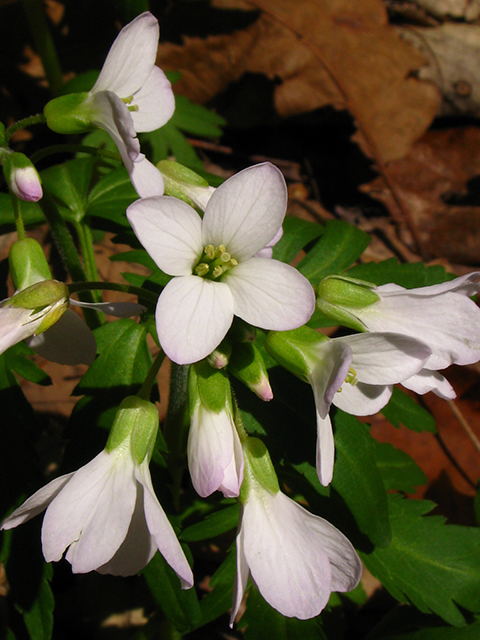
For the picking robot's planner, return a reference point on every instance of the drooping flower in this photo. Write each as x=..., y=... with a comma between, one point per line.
x=106, y=514
x=22, y=177
x=216, y=273
x=215, y=458
x=131, y=95
x=296, y=559
x=355, y=373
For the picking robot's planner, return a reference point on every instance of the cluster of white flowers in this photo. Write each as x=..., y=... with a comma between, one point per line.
x=221, y=264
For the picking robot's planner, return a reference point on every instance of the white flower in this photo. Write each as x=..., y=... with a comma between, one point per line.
x=108, y=517
x=215, y=458
x=25, y=184
x=296, y=559
x=216, y=273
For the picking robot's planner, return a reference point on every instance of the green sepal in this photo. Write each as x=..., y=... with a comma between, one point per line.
x=65, y=114
x=180, y=181
x=338, y=295
x=40, y=295
x=28, y=264
x=248, y=366
x=295, y=349
x=136, y=422
x=210, y=387
x=258, y=469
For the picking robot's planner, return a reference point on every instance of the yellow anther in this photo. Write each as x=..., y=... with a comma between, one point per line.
x=202, y=269
x=217, y=271
x=134, y=107
x=232, y=263
x=127, y=100
x=352, y=377
x=210, y=251
x=220, y=249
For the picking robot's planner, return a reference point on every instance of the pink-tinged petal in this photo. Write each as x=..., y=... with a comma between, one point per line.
x=131, y=57
x=267, y=251
x=145, y=177
x=325, y=457
x=467, y=285
x=246, y=211
x=362, y=399
x=110, y=113
x=332, y=364
x=25, y=184
x=241, y=576
x=68, y=341
x=193, y=315
x=386, y=358
x=171, y=232
x=14, y=326
x=286, y=559
x=155, y=102
x=36, y=503
x=161, y=529
x=425, y=381
x=92, y=513
x=344, y=561
x=270, y=294
x=117, y=309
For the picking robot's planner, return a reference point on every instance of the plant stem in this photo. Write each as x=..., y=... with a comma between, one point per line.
x=86, y=244
x=73, y=148
x=23, y=124
x=148, y=296
x=146, y=389
x=44, y=45
x=18, y=215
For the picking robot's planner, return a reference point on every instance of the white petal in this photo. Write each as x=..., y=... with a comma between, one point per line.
x=344, y=561
x=145, y=177
x=468, y=285
x=332, y=363
x=155, y=102
x=171, y=232
x=362, y=399
x=68, y=341
x=270, y=294
x=287, y=560
x=36, y=503
x=117, y=309
x=325, y=457
x=267, y=251
x=246, y=211
x=131, y=57
x=14, y=326
x=193, y=315
x=242, y=573
x=215, y=457
x=110, y=113
x=385, y=358
x=92, y=513
x=161, y=529
x=425, y=381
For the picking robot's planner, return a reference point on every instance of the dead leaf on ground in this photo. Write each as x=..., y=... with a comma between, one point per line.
x=328, y=52
x=437, y=168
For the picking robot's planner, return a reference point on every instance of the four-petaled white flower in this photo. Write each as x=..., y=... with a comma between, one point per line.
x=216, y=272
x=108, y=516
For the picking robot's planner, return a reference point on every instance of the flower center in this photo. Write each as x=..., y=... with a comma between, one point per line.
x=214, y=262
x=350, y=379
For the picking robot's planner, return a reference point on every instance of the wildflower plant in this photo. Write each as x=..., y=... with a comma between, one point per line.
x=263, y=497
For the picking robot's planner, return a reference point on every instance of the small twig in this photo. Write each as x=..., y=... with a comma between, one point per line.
x=466, y=427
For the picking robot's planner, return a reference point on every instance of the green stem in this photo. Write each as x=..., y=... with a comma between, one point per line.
x=148, y=296
x=68, y=251
x=86, y=245
x=23, y=124
x=176, y=426
x=146, y=389
x=18, y=216
x=73, y=148
x=44, y=45
x=242, y=433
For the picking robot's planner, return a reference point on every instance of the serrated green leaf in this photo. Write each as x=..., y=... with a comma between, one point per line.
x=434, y=566
x=357, y=479
x=219, y=600
x=297, y=233
x=406, y=623
x=68, y=183
x=213, y=525
x=179, y=605
x=397, y=469
x=111, y=196
x=402, y=409
x=339, y=246
x=410, y=276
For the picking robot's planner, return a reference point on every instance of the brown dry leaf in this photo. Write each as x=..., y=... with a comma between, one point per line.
x=325, y=52
x=438, y=167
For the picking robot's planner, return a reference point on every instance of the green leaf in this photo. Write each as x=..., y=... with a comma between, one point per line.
x=406, y=623
x=68, y=183
x=402, y=409
x=411, y=275
x=297, y=233
x=213, y=525
x=28, y=369
x=434, y=566
x=31, y=213
x=170, y=140
x=178, y=605
x=111, y=196
x=357, y=479
x=262, y=621
x=197, y=119
x=219, y=600
x=397, y=469
x=340, y=245
x=39, y=618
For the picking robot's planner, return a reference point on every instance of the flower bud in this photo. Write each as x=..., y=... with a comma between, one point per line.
x=258, y=468
x=28, y=264
x=248, y=366
x=22, y=177
x=220, y=357
x=337, y=294
x=69, y=114
x=185, y=184
x=295, y=350
x=241, y=331
x=136, y=426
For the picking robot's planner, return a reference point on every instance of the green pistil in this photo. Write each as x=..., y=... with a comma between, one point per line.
x=214, y=262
